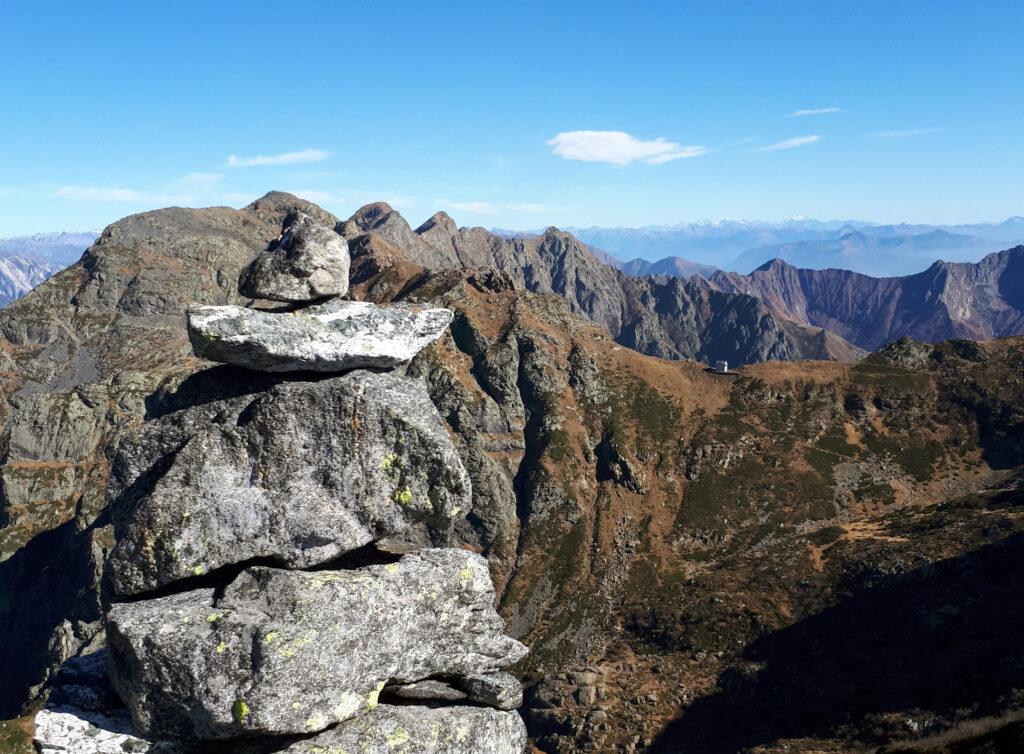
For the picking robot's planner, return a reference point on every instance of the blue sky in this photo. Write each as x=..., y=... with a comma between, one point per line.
x=515, y=115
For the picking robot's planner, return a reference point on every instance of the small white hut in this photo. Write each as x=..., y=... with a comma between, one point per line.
x=722, y=367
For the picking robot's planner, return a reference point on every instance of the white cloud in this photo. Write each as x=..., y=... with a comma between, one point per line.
x=799, y=141
x=816, y=111
x=201, y=179
x=312, y=195
x=619, y=148
x=287, y=158
x=905, y=133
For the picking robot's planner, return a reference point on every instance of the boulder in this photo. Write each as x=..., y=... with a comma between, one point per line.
x=422, y=730
x=501, y=690
x=71, y=730
x=309, y=261
x=291, y=652
x=384, y=730
x=331, y=337
x=296, y=471
x=430, y=690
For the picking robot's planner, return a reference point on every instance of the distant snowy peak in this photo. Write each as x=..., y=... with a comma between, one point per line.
x=61, y=248
x=19, y=275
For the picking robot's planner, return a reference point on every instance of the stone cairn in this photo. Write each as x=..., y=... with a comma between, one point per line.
x=276, y=583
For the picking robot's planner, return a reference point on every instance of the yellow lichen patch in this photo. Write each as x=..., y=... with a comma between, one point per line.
x=466, y=574
x=371, y=701
x=402, y=496
x=289, y=648
x=315, y=722
x=213, y=617
x=271, y=637
x=221, y=648
x=197, y=570
x=398, y=737
x=239, y=711
x=391, y=567
x=348, y=705
x=390, y=461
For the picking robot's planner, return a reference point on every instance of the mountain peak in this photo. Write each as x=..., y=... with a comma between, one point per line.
x=439, y=220
x=774, y=264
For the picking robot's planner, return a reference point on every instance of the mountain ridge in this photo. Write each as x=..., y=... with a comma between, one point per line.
x=948, y=300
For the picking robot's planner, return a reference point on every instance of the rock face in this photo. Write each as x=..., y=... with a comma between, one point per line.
x=331, y=337
x=293, y=652
x=948, y=300
x=309, y=261
x=299, y=472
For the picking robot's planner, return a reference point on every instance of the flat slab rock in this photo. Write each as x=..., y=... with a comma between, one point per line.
x=309, y=261
x=384, y=730
x=300, y=472
x=331, y=337
x=293, y=652
x=422, y=730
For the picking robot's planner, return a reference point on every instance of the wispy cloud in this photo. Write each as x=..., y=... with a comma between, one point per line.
x=313, y=195
x=117, y=195
x=619, y=148
x=492, y=208
x=816, y=111
x=799, y=141
x=904, y=133
x=286, y=158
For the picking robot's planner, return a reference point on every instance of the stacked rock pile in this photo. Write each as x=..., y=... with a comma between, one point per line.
x=279, y=578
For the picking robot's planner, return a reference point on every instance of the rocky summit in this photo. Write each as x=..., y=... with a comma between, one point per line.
x=251, y=592
x=331, y=337
x=308, y=261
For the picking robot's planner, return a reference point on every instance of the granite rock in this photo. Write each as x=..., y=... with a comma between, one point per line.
x=331, y=337
x=309, y=261
x=296, y=471
x=291, y=652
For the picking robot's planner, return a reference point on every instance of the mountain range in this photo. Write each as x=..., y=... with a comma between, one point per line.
x=799, y=557
x=741, y=246
x=26, y=261
x=948, y=300
x=667, y=317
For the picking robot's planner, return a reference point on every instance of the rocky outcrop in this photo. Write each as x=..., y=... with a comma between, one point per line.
x=284, y=652
x=295, y=472
x=308, y=261
x=331, y=337
x=207, y=642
